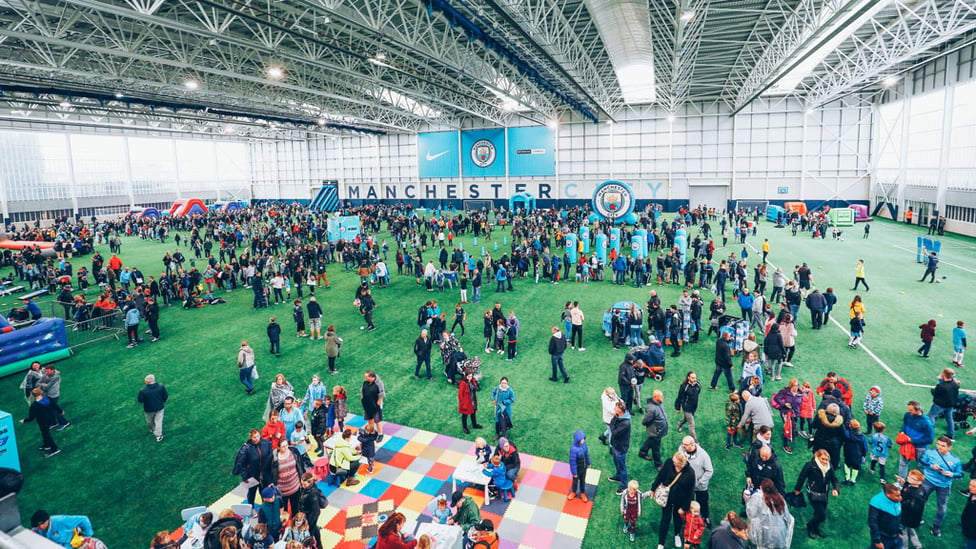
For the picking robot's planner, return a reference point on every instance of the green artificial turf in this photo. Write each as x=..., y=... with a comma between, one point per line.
x=112, y=470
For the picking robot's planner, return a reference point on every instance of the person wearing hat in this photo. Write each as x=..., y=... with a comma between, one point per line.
x=153, y=398
x=467, y=513
x=60, y=528
x=32, y=308
x=484, y=534
x=270, y=511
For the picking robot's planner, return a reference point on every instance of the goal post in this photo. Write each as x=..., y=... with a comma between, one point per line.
x=751, y=205
x=474, y=205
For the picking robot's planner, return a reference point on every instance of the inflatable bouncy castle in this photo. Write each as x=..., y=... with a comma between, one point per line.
x=44, y=341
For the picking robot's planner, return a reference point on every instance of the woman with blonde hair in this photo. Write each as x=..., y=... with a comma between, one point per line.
x=817, y=477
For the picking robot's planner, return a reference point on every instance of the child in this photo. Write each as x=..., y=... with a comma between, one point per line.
x=880, y=444
x=630, y=507
x=424, y=542
x=367, y=441
x=489, y=331
x=339, y=403
x=857, y=330
x=482, y=452
x=808, y=407
x=259, y=537
x=694, y=526
x=873, y=405
x=496, y=471
x=459, y=318
x=441, y=511
x=299, y=441
x=855, y=450
x=958, y=343
x=500, y=333
x=755, y=386
x=913, y=500
x=579, y=461
x=298, y=315
x=298, y=530
x=733, y=414
x=512, y=339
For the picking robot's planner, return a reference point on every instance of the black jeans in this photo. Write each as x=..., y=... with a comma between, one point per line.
x=576, y=335
x=728, y=377
x=422, y=360
x=819, y=515
x=668, y=514
x=654, y=445
x=578, y=484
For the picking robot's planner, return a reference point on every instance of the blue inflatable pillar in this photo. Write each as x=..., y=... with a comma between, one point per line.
x=601, y=247
x=638, y=247
x=476, y=241
x=504, y=241
x=642, y=234
x=681, y=241
x=496, y=245
x=615, y=240
x=571, y=248
x=483, y=253
x=584, y=236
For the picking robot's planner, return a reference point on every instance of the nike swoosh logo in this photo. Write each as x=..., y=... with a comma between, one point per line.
x=436, y=156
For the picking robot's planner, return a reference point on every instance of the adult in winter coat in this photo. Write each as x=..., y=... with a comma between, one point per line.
x=775, y=351
x=687, y=403
x=253, y=463
x=732, y=534
x=770, y=522
x=332, y=343
x=919, y=429
x=655, y=422
x=245, y=366
x=557, y=347
x=42, y=411
x=828, y=432
x=928, y=334
x=788, y=401
x=944, y=397
x=681, y=478
x=468, y=401
x=579, y=462
x=723, y=361
x=701, y=463
x=818, y=478
x=817, y=305
x=310, y=503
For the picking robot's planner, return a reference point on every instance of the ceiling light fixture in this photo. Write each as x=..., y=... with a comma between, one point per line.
x=275, y=72
x=64, y=104
x=321, y=121
x=687, y=16
x=889, y=82
x=671, y=118
x=553, y=124
x=119, y=95
x=191, y=84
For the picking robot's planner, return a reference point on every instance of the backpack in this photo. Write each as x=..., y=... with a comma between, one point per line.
x=422, y=315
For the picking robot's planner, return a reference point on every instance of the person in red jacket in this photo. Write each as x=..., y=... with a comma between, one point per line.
x=390, y=536
x=839, y=383
x=468, y=401
x=274, y=430
x=928, y=334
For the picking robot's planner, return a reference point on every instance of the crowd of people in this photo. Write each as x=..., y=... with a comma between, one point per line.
x=279, y=252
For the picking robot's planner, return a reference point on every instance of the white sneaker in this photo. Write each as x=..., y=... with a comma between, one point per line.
x=677, y=541
x=582, y=348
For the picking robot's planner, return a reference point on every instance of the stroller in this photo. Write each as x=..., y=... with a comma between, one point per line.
x=465, y=365
x=964, y=409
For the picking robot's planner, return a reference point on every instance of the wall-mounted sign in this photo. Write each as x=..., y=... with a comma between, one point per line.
x=782, y=190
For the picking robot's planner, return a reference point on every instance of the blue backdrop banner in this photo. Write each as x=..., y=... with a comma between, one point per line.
x=483, y=153
x=531, y=151
x=437, y=154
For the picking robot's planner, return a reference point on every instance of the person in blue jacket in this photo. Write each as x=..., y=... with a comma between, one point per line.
x=920, y=429
x=940, y=468
x=884, y=518
x=60, y=528
x=579, y=462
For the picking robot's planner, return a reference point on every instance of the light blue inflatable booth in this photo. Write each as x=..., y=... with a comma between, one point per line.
x=584, y=236
x=524, y=200
x=601, y=247
x=571, y=248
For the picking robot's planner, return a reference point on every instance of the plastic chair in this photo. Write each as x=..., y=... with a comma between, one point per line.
x=321, y=468
x=242, y=510
x=190, y=512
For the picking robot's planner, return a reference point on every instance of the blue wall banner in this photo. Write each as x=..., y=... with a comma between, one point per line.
x=437, y=154
x=483, y=153
x=531, y=151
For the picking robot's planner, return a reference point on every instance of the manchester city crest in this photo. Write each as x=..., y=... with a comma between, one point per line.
x=613, y=199
x=483, y=153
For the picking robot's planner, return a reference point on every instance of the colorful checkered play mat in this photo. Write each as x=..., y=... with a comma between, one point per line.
x=413, y=466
